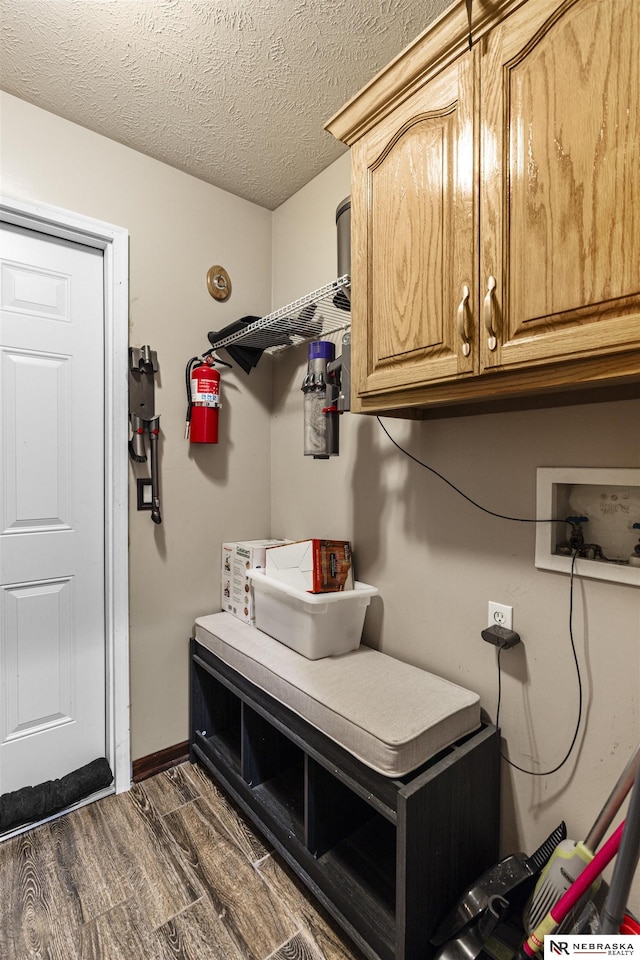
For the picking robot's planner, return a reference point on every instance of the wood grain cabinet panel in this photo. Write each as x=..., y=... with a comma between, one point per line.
x=560, y=214
x=413, y=229
x=508, y=173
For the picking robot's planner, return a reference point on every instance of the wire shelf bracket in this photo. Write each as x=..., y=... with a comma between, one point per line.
x=324, y=311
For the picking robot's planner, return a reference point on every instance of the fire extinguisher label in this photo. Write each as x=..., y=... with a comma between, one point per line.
x=205, y=392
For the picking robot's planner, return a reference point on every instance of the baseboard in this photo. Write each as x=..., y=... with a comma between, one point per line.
x=161, y=760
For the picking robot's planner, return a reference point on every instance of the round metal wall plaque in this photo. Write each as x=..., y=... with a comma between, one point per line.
x=218, y=283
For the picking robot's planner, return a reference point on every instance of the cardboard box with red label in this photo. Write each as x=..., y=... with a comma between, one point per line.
x=317, y=566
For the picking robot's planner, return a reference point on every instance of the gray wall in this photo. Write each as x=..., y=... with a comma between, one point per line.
x=178, y=228
x=437, y=560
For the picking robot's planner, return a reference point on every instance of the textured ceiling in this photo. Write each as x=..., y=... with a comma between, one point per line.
x=235, y=92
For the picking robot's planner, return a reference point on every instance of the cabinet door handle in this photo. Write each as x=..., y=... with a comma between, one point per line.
x=463, y=315
x=490, y=310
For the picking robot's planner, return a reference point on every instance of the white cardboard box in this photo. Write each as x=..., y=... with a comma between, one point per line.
x=316, y=625
x=319, y=566
x=239, y=556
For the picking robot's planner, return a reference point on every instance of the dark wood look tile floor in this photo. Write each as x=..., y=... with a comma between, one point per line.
x=169, y=871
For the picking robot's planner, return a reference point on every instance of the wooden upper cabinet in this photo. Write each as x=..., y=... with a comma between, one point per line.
x=413, y=238
x=560, y=181
x=511, y=171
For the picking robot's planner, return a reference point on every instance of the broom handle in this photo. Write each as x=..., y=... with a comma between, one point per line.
x=569, y=899
x=625, y=868
x=613, y=804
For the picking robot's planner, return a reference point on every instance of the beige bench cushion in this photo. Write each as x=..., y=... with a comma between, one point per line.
x=390, y=715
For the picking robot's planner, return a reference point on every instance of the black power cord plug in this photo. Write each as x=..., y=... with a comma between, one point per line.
x=501, y=637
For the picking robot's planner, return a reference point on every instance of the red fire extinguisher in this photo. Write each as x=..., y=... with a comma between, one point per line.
x=203, y=392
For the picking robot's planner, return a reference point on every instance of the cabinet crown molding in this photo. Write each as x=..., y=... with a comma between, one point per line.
x=433, y=50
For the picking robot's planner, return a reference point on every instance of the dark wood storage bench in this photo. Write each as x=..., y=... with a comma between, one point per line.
x=387, y=857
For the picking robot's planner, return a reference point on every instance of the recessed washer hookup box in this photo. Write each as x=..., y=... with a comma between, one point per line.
x=318, y=566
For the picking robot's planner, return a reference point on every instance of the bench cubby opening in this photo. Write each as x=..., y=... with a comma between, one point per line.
x=386, y=857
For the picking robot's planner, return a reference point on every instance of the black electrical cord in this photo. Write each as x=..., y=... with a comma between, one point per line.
x=546, y=773
x=502, y=516
x=492, y=513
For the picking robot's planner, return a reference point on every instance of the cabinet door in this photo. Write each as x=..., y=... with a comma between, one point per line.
x=413, y=239
x=560, y=182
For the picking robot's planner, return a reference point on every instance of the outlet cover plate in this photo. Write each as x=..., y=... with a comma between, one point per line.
x=500, y=615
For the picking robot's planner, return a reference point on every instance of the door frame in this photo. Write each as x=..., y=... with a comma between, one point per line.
x=114, y=243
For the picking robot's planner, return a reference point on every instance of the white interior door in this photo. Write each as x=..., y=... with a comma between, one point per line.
x=52, y=511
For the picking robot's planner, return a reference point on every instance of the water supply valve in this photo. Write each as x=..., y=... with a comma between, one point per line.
x=576, y=534
x=575, y=543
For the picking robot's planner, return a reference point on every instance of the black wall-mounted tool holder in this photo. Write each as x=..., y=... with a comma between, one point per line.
x=143, y=365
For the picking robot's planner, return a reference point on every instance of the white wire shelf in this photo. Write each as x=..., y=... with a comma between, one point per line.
x=325, y=310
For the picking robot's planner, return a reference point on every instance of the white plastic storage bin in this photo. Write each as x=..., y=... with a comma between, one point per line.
x=315, y=624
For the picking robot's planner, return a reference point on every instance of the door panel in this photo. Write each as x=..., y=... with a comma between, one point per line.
x=34, y=292
x=559, y=219
x=40, y=688
x=52, y=648
x=36, y=403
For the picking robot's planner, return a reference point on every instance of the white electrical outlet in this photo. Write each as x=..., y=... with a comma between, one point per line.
x=501, y=615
